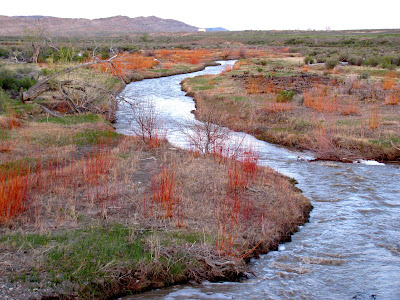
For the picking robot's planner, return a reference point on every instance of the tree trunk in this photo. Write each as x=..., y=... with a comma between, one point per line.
x=38, y=89
x=47, y=84
x=36, y=50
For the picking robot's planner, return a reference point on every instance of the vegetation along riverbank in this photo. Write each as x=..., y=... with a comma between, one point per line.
x=341, y=113
x=88, y=213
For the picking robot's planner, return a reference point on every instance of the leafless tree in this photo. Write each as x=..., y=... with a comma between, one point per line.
x=207, y=135
x=37, y=39
x=82, y=93
x=147, y=122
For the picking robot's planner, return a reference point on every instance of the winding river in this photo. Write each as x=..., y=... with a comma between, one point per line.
x=350, y=249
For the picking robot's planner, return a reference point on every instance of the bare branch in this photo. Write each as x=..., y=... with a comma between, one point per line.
x=146, y=121
x=48, y=83
x=394, y=146
x=50, y=112
x=206, y=136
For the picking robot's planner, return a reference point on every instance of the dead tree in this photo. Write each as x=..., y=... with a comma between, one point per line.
x=36, y=38
x=80, y=96
x=207, y=135
x=147, y=122
x=51, y=82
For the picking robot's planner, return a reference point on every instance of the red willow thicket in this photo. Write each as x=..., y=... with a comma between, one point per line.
x=260, y=85
x=165, y=194
x=234, y=209
x=15, y=183
x=125, y=62
x=184, y=56
x=321, y=99
x=56, y=184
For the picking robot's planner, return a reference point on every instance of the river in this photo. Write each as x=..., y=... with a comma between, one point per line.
x=350, y=249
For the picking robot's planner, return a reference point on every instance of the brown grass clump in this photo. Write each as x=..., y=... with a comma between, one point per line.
x=10, y=122
x=320, y=98
x=374, y=119
x=392, y=98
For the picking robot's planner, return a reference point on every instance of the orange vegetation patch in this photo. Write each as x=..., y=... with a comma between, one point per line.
x=14, y=185
x=392, y=98
x=25, y=187
x=126, y=62
x=11, y=122
x=184, y=56
x=273, y=107
x=320, y=98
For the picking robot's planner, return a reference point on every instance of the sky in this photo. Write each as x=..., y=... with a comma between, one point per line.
x=230, y=14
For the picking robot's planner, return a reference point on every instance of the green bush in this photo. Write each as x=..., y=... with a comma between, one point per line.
x=12, y=81
x=104, y=55
x=321, y=59
x=284, y=96
x=3, y=53
x=371, y=61
x=308, y=60
x=331, y=63
x=355, y=60
x=81, y=56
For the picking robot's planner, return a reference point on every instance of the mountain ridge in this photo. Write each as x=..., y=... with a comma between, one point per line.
x=17, y=25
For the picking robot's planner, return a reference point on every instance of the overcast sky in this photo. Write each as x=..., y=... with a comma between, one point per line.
x=232, y=14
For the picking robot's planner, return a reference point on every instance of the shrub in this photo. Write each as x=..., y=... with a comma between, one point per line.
x=371, y=61
x=321, y=59
x=3, y=53
x=364, y=75
x=343, y=57
x=284, y=96
x=355, y=60
x=331, y=63
x=308, y=60
x=12, y=81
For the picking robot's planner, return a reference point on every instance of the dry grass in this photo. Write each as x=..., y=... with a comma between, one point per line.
x=127, y=181
x=338, y=118
x=228, y=210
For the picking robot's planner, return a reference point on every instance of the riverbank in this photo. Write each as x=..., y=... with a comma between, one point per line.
x=89, y=213
x=336, y=115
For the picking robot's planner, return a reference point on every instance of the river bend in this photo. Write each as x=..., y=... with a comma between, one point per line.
x=350, y=249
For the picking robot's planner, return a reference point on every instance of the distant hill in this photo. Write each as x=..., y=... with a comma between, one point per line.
x=10, y=26
x=216, y=29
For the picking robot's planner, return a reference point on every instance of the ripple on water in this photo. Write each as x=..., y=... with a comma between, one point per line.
x=322, y=261
x=393, y=248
